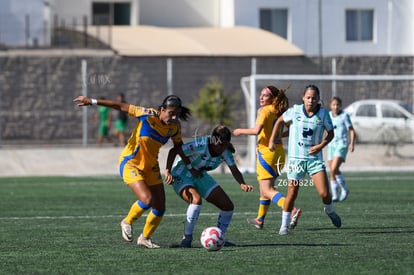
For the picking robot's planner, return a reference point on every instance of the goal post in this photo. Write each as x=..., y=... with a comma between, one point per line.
x=251, y=84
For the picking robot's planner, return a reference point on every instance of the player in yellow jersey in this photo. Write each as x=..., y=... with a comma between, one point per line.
x=138, y=163
x=269, y=164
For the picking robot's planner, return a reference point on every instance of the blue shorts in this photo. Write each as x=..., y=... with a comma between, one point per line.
x=337, y=151
x=203, y=185
x=269, y=164
x=298, y=168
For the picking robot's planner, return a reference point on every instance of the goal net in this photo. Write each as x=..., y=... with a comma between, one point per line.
x=349, y=88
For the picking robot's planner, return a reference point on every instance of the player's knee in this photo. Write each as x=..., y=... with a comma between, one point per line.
x=146, y=200
x=228, y=206
x=196, y=200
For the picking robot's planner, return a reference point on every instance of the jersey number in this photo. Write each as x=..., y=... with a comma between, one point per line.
x=307, y=132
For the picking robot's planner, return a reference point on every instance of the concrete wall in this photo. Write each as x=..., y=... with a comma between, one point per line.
x=36, y=93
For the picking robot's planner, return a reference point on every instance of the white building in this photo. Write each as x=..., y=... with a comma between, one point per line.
x=318, y=27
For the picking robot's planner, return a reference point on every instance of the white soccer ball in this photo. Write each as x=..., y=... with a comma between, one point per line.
x=212, y=238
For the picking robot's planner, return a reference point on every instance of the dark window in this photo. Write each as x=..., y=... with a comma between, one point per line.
x=367, y=110
x=359, y=25
x=120, y=13
x=274, y=20
x=390, y=112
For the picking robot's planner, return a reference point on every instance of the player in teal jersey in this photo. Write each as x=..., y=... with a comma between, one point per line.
x=307, y=125
x=343, y=141
x=204, y=154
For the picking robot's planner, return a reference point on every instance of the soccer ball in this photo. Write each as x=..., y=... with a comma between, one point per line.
x=212, y=238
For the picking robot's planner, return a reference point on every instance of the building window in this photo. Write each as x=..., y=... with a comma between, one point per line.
x=359, y=25
x=275, y=20
x=102, y=12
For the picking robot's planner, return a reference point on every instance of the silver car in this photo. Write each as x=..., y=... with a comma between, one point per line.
x=382, y=121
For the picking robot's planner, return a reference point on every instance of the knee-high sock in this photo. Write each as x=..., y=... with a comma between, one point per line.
x=341, y=181
x=193, y=211
x=224, y=219
x=328, y=208
x=285, y=218
x=264, y=205
x=136, y=210
x=334, y=188
x=153, y=220
x=279, y=199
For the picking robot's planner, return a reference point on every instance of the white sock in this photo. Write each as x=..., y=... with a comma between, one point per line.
x=334, y=188
x=285, y=218
x=341, y=181
x=328, y=208
x=193, y=211
x=224, y=219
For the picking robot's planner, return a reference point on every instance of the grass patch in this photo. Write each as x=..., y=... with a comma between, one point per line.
x=70, y=225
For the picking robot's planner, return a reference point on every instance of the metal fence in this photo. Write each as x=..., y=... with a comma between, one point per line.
x=30, y=32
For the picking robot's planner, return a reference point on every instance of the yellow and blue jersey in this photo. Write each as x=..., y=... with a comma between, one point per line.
x=149, y=134
x=269, y=164
x=266, y=117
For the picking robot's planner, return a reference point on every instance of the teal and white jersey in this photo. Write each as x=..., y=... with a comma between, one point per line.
x=200, y=157
x=306, y=131
x=341, y=123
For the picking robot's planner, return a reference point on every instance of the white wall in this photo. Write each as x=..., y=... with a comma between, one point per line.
x=393, y=20
x=334, y=28
x=13, y=22
x=393, y=28
x=67, y=10
x=402, y=36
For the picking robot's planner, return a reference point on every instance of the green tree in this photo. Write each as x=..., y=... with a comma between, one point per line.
x=213, y=105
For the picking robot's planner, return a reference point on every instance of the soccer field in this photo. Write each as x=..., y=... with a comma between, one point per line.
x=70, y=225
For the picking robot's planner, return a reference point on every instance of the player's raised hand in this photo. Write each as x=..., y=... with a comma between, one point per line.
x=83, y=101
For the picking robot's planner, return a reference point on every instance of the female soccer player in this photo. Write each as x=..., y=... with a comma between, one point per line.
x=343, y=141
x=206, y=154
x=138, y=163
x=308, y=122
x=269, y=164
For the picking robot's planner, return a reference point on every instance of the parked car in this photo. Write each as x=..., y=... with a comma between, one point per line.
x=382, y=121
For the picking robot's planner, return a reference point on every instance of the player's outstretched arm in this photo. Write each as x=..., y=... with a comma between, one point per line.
x=248, y=131
x=86, y=101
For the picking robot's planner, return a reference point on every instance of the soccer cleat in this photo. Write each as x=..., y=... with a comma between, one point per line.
x=334, y=199
x=144, y=242
x=126, y=231
x=336, y=220
x=186, y=241
x=284, y=230
x=294, y=217
x=344, y=195
x=258, y=224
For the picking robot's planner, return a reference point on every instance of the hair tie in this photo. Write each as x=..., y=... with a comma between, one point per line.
x=268, y=91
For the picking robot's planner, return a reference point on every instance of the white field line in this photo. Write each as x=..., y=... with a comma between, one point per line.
x=107, y=216
x=383, y=212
